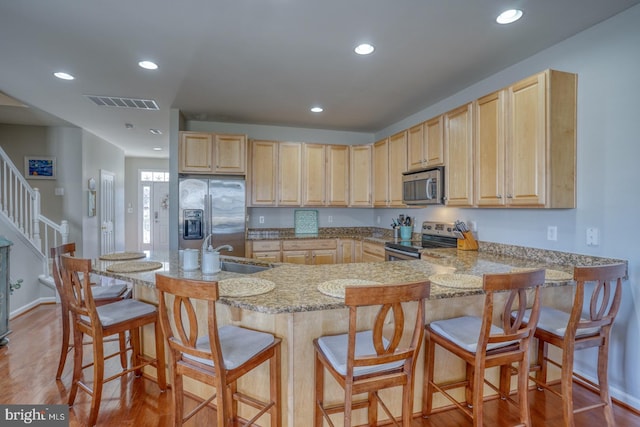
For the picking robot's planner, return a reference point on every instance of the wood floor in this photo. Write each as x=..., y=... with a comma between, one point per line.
x=27, y=376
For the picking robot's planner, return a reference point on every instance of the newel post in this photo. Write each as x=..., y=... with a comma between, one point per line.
x=64, y=231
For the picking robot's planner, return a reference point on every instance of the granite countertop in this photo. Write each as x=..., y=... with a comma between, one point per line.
x=296, y=285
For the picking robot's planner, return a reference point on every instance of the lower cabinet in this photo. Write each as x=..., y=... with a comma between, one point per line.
x=321, y=251
x=372, y=252
x=266, y=250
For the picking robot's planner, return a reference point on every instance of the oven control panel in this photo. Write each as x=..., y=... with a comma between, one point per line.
x=444, y=229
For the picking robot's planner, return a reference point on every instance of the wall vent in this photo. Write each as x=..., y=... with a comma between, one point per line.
x=116, y=101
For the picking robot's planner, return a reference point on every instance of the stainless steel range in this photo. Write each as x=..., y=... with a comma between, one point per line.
x=434, y=235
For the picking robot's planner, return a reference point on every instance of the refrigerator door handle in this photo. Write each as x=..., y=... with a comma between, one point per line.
x=207, y=215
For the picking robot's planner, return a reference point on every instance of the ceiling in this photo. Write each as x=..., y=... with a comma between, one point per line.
x=262, y=61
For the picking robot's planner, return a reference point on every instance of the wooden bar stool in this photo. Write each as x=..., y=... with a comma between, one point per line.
x=101, y=295
x=127, y=315
x=576, y=331
x=364, y=361
x=483, y=345
x=212, y=355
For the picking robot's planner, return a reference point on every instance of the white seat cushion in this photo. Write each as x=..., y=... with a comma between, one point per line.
x=121, y=311
x=107, y=292
x=556, y=321
x=335, y=348
x=237, y=344
x=465, y=331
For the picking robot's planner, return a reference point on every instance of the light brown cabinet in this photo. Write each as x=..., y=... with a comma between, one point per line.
x=346, y=252
x=263, y=172
x=360, y=176
x=372, y=252
x=315, y=252
x=210, y=153
x=525, y=143
x=289, y=174
x=275, y=173
x=266, y=250
x=389, y=161
x=425, y=144
x=326, y=175
x=458, y=143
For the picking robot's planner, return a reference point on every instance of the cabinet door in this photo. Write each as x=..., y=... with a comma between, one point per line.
x=196, y=152
x=264, y=157
x=357, y=251
x=489, y=150
x=345, y=251
x=313, y=168
x=434, y=141
x=230, y=154
x=337, y=175
x=323, y=256
x=360, y=176
x=397, y=165
x=380, y=173
x=295, y=257
x=459, y=149
x=526, y=153
x=416, y=147
x=289, y=176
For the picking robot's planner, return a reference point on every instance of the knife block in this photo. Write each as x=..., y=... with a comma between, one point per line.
x=469, y=243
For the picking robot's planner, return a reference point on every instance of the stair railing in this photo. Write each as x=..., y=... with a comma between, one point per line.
x=20, y=204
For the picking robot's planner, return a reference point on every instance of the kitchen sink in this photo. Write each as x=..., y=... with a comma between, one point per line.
x=236, y=267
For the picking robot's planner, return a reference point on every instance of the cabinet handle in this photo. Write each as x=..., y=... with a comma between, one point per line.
x=509, y=196
x=499, y=196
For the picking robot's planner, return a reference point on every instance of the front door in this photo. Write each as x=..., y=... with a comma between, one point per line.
x=160, y=223
x=107, y=212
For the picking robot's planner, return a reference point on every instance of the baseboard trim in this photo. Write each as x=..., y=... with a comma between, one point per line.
x=33, y=304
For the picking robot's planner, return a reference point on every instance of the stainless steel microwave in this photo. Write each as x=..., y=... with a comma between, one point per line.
x=423, y=187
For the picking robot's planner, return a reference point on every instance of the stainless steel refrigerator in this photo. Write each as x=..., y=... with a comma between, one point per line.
x=212, y=206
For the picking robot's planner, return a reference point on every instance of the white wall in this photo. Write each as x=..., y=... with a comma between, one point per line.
x=606, y=59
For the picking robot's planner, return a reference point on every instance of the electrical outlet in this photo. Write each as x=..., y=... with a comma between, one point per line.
x=552, y=232
x=330, y=219
x=261, y=219
x=593, y=236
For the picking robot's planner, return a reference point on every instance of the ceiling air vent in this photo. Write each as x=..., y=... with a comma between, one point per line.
x=116, y=101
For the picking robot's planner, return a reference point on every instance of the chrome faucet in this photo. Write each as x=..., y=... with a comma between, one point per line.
x=227, y=247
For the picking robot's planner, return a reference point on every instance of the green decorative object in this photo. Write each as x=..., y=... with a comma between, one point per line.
x=306, y=221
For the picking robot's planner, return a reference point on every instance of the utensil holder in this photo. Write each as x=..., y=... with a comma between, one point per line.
x=405, y=232
x=469, y=243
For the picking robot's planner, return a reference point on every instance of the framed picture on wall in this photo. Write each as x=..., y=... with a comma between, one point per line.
x=39, y=167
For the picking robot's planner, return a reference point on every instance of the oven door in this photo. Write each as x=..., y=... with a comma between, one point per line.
x=391, y=254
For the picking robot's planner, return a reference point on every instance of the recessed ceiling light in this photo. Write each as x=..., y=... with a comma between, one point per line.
x=128, y=125
x=317, y=109
x=157, y=149
x=148, y=65
x=509, y=16
x=364, y=49
x=64, y=76
x=155, y=131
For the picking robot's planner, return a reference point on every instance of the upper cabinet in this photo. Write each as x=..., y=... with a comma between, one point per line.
x=425, y=144
x=289, y=174
x=389, y=161
x=210, y=153
x=326, y=175
x=458, y=143
x=360, y=194
x=526, y=143
x=263, y=173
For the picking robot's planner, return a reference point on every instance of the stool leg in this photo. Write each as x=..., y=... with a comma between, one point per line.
x=122, y=340
x=276, y=385
x=98, y=377
x=178, y=398
x=523, y=389
x=478, y=395
x=543, y=349
x=319, y=392
x=566, y=384
x=66, y=332
x=427, y=388
x=603, y=381
x=77, y=365
x=134, y=335
x=161, y=370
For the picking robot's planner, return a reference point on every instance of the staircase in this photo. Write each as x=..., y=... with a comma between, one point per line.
x=20, y=206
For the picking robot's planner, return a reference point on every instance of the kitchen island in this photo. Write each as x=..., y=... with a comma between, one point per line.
x=297, y=312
